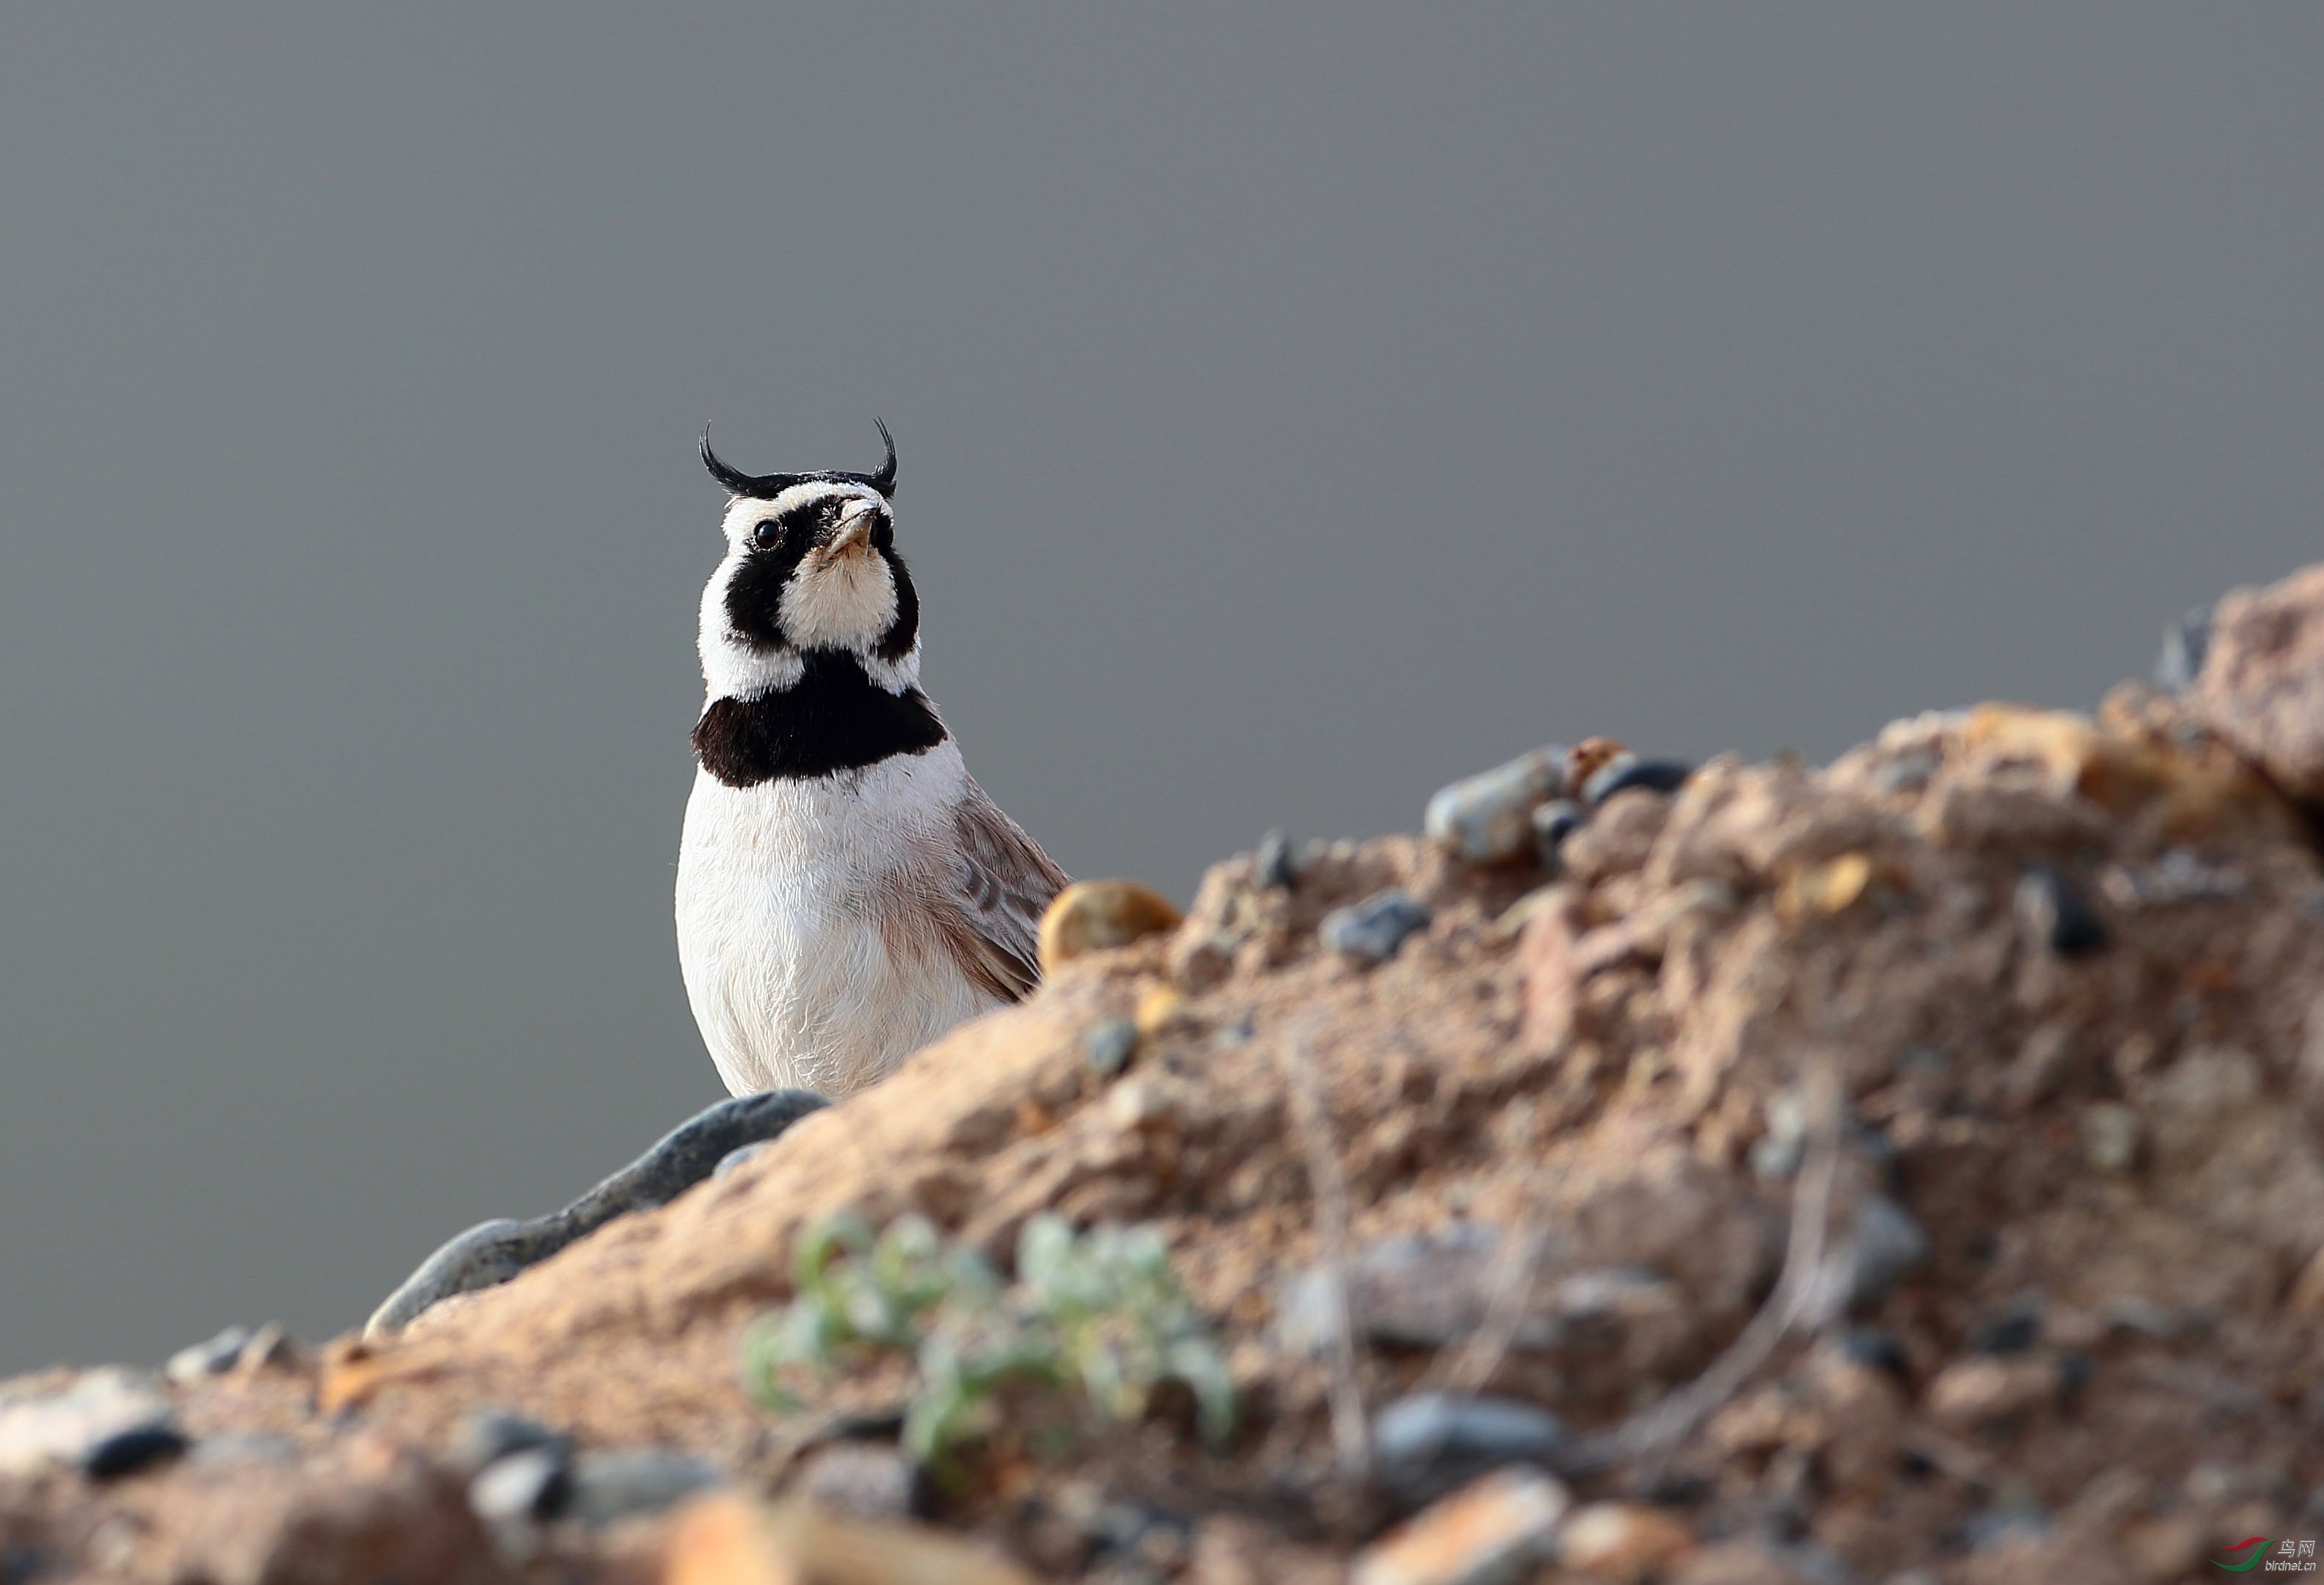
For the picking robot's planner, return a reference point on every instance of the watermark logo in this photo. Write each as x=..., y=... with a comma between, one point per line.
x=2257, y=1551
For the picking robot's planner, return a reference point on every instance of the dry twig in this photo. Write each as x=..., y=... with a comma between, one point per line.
x=1802, y=1291
x=1507, y=1301
x=1350, y=1433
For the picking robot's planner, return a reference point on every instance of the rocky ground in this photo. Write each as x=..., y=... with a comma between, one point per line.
x=1910, y=1170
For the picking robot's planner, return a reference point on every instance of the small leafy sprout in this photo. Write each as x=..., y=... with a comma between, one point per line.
x=1097, y=1315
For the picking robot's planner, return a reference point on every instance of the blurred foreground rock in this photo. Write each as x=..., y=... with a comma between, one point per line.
x=1912, y=1169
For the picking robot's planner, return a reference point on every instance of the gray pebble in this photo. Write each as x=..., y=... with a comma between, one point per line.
x=214, y=1356
x=490, y=1436
x=2135, y=1314
x=1371, y=930
x=2054, y=914
x=492, y=1252
x=1487, y=818
x=1553, y=822
x=2176, y=877
x=1883, y=1248
x=1430, y=1443
x=1276, y=865
x=736, y=1157
x=1625, y=772
x=268, y=1346
x=1868, y=1345
x=1998, y=1526
x=524, y=1486
x=616, y=1482
x=2014, y=1328
x=69, y=1428
x=127, y=1452
x=1907, y=773
x=1110, y=1045
x=1780, y=1150
x=2185, y=642
x=1430, y=1291
x=246, y=1447
x=872, y=1480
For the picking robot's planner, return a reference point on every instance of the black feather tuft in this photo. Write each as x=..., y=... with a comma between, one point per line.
x=766, y=486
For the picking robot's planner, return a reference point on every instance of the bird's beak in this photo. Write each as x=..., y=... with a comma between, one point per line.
x=854, y=528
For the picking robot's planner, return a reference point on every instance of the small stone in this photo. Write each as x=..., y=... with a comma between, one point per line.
x=1371, y=930
x=246, y=1447
x=1430, y=1443
x=524, y=1488
x=1159, y=1007
x=1623, y=1542
x=270, y=1347
x=1133, y=1540
x=492, y=1252
x=1622, y=774
x=128, y=1451
x=214, y=1356
x=1110, y=1045
x=1489, y=1532
x=723, y=1539
x=2110, y=1136
x=1907, y=773
x=1135, y=1106
x=2015, y=1329
x=2177, y=878
x=1877, y=1350
x=1884, y=1248
x=616, y=1482
x=2263, y=679
x=2003, y=1526
x=1777, y=1154
x=2054, y=914
x=490, y=1436
x=868, y=1480
x=1553, y=822
x=1095, y=916
x=69, y=1427
x=1831, y=887
x=738, y=1156
x=1277, y=863
x=1971, y=1393
x=1586, y=758
x=1486, y=819
x=2184, y=643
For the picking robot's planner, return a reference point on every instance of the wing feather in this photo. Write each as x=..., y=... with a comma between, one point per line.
x=1004, y=885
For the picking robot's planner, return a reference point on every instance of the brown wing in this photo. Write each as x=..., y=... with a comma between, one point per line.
x=1004, y=883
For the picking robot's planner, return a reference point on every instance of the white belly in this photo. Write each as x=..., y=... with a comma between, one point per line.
x=791, y=977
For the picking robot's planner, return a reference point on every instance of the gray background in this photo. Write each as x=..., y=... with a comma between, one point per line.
x=1299, y=407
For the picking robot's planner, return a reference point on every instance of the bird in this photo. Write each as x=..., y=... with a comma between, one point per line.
x=846, y=892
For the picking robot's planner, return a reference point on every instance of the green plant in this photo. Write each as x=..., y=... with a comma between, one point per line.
x=1098, y=1316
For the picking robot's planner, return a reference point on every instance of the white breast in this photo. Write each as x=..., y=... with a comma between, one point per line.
x=780, y=893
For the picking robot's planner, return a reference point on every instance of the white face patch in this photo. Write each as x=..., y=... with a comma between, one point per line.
x=839, y=599
x=843, y=599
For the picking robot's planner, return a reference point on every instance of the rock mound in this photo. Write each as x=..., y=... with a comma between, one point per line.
x=1764, y=1173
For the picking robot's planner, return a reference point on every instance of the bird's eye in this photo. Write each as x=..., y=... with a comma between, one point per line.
x=767, y=532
